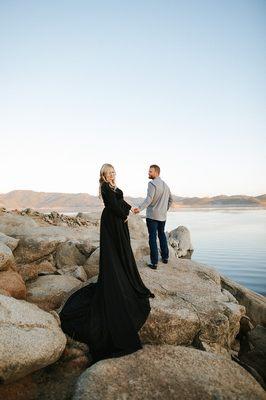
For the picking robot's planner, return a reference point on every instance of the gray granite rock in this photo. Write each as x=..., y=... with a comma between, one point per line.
x=167, y=372
x=30, y=338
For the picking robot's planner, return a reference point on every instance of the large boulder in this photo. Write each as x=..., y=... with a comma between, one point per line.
x=140, y=249
x=14, y=225
x=12, y=282
x=49, y=291
x=167, y=372
x=179, y=239
x=190, y=307
x=30, y=338
x=137, y=228
x=67, y=254
x=32, y=270
x=35, y=247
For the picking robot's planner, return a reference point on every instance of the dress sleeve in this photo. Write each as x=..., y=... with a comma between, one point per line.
x=110, y=202
x=126, y=205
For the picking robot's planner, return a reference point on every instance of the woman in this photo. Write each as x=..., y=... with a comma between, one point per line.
x=108, y=314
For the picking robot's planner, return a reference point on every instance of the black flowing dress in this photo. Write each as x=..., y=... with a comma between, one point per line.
x=108, y=314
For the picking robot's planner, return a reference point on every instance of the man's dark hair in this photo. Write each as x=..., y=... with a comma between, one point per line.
x=156, y=167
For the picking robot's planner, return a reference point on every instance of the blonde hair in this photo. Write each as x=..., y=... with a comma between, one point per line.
x=103, y=172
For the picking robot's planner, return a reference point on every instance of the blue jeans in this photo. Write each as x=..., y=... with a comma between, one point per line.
x=155, y=226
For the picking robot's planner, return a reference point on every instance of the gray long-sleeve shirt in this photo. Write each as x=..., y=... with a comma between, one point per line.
x=158, y=200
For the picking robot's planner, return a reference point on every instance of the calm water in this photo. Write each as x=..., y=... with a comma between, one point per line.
x=231, y=240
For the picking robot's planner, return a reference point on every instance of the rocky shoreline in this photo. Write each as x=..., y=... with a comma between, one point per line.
x=204, y=338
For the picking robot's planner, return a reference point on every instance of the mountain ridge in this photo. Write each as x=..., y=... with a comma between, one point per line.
x=71, y=202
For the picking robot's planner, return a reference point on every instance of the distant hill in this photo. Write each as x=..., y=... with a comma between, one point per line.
x=221, y=201
x=76, y=202
x=43, y=201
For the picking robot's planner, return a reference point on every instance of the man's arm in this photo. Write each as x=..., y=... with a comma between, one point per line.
x=149, y=198
x=170, y=201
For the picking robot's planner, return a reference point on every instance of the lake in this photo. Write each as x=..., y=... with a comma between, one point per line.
x=231, y=240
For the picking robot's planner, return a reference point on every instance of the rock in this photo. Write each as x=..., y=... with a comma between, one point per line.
x=14, y=225
x=56, y=381
x=23, y=389
x=93, y=217
x=245, y=325
x=39, y=238
x=77, y=271
x=189, y=307
x=91, y=266
x=140, y=249
x=32, y=248
x=257, y=337
x=137, y=228
x=167, y=372
x=67, y=254
x=87, y=247
x=12, y=282
x=30, y=338
x=33, y=270
x=254, y=302
x=255, y=354
x=4, y=292
x=9, y=241
x=179, y=239
x=7, y=260
x=54, y=218
x=48, y=291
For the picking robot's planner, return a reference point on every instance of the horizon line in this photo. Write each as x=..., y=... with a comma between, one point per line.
x=95, y=195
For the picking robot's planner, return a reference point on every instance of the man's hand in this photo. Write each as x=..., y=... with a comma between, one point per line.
x=136, y=210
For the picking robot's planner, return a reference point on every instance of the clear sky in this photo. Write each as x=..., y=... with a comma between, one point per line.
x=177, y=83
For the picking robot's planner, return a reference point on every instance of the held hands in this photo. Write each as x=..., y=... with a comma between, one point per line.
x=135, y=210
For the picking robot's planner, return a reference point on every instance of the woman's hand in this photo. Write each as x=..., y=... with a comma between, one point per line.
x=135, y=210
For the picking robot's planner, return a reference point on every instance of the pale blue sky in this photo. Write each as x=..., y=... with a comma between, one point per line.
x=177, y=83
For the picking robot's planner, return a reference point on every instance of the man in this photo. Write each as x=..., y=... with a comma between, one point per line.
x=157, y=203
